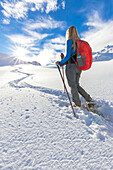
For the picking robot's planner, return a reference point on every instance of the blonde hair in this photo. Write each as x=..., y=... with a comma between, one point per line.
x=72, y=34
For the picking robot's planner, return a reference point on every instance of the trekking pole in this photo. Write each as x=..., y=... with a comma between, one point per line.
x=63, y=76
x=62, y=56
x=66, y=91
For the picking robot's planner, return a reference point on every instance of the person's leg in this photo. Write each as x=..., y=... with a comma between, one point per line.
x=71, y=78
x=80, y=89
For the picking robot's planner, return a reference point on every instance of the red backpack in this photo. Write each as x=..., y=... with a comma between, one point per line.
x=84, y=56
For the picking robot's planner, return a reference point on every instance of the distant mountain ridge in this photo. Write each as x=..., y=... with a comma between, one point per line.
x=6, y=60
x=105, y=54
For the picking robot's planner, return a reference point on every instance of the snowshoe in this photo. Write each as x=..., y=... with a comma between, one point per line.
x=95, y=108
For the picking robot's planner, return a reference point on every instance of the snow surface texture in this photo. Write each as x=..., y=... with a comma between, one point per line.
x=38, y=131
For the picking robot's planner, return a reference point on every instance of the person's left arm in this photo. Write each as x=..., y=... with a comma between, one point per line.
x=68, y=52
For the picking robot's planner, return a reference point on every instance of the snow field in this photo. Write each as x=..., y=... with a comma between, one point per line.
x=38, y=131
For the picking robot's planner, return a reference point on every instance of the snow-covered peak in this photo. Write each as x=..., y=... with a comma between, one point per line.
x=105, y=54
x=107, y=49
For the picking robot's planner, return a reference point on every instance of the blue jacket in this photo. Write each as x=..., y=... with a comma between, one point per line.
x=69, y=52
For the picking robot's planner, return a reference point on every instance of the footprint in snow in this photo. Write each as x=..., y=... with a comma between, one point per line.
x=100, y=136
x=26, y=110
x=27, y=117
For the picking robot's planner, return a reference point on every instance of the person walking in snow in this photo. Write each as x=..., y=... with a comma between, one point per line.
x=72, y=72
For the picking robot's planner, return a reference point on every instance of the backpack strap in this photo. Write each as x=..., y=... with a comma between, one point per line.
x=77, y=52
x=80, y=46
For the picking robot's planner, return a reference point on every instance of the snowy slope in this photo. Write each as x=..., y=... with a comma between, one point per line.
x=38, y=131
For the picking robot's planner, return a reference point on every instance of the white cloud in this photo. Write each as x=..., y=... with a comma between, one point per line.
x=35, y=35
x=14, y=9
x=6, y=21
x=35, y=49
x=19, y=8
x=60, y=40
x=21, y=39
x=54, y=46
x=63, y=4
x=57, y=43
x=29, y=39
x=51, y=5
x=45, y=22
x=47, y=56
x=100, y=32
x=95, y=21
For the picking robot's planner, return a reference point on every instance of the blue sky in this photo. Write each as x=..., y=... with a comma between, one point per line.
x=35, y=29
